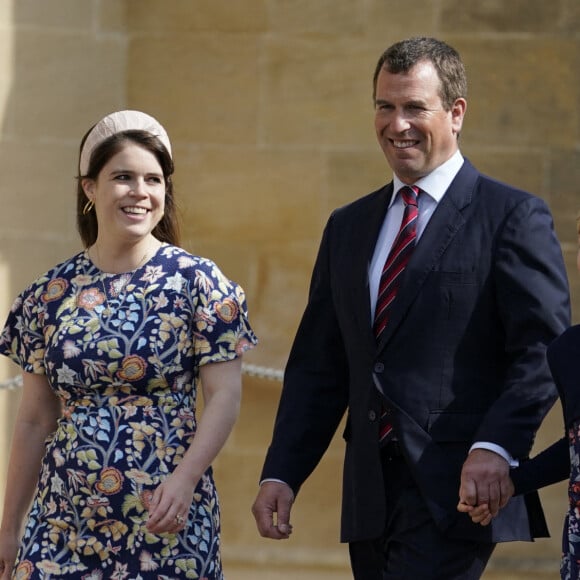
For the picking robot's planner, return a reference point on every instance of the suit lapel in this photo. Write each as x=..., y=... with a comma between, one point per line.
x=365, y=242
x=444, y=224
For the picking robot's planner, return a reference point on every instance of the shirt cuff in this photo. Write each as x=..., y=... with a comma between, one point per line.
x=496, y=449
x=273, y=479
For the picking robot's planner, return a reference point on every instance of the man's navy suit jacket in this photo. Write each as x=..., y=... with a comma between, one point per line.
x=462, y=358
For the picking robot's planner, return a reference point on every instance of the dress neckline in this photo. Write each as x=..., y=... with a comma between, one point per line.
x=104, y=274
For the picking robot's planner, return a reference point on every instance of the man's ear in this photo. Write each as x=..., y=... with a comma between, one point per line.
x=457, y=113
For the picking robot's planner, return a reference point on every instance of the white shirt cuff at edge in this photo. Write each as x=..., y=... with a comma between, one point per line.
x=276, y=481
x=496, y=449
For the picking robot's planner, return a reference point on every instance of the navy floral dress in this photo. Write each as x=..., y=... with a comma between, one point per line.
x=570, y=568
x=123, y=352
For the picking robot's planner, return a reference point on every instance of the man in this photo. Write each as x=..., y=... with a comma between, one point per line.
x=445, y=357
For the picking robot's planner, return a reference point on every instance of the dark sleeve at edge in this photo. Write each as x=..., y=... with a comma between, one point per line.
x=548, y=467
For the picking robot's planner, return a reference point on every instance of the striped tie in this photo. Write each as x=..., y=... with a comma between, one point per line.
x=397, y=260
x=391, y=277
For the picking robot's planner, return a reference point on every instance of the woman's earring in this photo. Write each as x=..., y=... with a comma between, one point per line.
x=88, y=206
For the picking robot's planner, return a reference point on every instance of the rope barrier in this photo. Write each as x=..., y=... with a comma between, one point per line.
x=261, y=372
x=11, y=384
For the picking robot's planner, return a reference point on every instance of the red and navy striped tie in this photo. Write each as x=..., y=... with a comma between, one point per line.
x=391, y=277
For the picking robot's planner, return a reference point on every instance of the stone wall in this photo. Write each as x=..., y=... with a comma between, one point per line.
x=268, y=104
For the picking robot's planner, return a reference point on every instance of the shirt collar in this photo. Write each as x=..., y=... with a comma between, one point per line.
x=437, y=182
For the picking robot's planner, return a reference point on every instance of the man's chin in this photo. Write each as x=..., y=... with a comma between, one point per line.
x=407, y=173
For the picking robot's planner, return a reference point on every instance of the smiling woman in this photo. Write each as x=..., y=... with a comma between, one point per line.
x=114, y=344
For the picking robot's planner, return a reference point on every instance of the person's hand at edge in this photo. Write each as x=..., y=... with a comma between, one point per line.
x=272, y=508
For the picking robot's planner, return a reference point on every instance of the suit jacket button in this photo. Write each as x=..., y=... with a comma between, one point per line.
x=372, y=415
x=379, y=367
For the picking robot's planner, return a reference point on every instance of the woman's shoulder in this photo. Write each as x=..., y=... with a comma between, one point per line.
x=63, y=270
x=184, y=259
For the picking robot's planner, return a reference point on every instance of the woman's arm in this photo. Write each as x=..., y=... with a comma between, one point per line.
x=37, y=418
x=222, y=389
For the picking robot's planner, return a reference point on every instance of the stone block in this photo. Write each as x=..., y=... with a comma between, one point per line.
x=527, y=99
x=198, y=15
x=565, y=192
x=63, y=83
x=6, y=69
x=390, y=21
x=113, y=17
x=565, y=173
x=570, y=20
x=59, y=14
x=317, y=93
x=498, y=16
x=242, y=194
x=38, y=189
x=208, y=82
x=324, y=17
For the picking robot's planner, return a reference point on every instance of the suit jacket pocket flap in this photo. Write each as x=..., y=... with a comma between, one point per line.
x=453, y=425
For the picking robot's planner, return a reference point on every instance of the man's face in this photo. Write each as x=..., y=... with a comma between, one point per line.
x=415, y=132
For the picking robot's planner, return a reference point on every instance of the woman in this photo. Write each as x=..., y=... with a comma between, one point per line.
x=114, y=344
x=562, y=459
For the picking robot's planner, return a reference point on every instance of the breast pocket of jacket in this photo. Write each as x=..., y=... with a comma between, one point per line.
x=457, y=293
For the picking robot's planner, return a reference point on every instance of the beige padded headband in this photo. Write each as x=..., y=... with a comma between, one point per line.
x=115, y=123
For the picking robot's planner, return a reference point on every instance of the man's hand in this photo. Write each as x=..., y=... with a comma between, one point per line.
x=485, y=481
x=273, y=498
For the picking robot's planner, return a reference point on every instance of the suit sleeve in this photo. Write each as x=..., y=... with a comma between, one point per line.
x=315, y=391
x=531, y=290
x=548, y=467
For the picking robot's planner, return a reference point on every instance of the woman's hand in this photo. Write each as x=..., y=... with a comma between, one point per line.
x=8, y=550
x=170, y=504
x=480, y=514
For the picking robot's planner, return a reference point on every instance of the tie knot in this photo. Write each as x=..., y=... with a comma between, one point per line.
x=410, y=194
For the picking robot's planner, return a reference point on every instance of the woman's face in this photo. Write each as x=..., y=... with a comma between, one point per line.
x=129, y=195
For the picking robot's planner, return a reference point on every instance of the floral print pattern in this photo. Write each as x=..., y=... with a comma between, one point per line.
x=123, y=354
x=570, y=566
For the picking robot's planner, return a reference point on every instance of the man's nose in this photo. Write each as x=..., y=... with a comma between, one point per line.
x=400, y=122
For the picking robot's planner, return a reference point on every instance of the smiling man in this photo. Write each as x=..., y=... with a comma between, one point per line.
x=431, y=305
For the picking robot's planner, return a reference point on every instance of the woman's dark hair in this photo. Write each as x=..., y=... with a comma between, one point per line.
x=167, y=230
